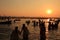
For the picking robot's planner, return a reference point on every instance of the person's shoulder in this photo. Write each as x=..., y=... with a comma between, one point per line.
x=13, y=30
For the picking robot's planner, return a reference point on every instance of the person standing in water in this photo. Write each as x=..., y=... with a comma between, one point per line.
x=42, y=30
x=15, y=34
x=25, y=32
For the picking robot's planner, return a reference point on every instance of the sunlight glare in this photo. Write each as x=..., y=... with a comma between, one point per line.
x=49, y=11
x=48, y=19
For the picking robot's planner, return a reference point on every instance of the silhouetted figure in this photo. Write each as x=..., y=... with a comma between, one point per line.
x=53, y=26
x=15, y=34
x=28, y=22
x=39, y=23
x=42, y=30
x=49, y=26
x=59, y=20
x=42, y=35
x=25, y=32
x=34, y=23
x=56, y=24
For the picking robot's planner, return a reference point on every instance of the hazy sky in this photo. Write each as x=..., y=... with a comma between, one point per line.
x=29, y=8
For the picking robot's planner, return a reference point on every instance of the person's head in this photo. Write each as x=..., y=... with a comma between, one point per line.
x=23, y=26
x=16, y=28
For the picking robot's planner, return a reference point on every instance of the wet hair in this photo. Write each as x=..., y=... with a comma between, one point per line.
x=24, y=26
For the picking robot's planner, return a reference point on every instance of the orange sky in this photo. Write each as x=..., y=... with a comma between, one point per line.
x=30, y=8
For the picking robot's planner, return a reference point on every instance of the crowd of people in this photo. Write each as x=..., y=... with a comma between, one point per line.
x=15, y=33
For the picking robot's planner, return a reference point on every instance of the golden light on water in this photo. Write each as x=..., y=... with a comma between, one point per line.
x=48, y=19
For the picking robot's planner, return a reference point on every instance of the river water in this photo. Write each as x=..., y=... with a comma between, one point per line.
x=5, y=31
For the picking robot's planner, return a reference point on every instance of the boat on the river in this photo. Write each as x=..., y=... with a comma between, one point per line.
x=17, y=20
x=5, y=22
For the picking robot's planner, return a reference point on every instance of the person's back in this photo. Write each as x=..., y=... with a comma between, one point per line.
x=25, y=32
x=14, y=35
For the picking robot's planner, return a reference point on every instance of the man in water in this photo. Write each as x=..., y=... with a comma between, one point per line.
x=25, y=32
x=15, y=34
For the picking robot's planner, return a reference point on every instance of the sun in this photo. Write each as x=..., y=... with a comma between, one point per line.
x=49, y=11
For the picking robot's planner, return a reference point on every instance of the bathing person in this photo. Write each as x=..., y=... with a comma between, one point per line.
x=25, y=32
x=15, y=34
